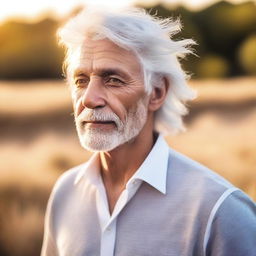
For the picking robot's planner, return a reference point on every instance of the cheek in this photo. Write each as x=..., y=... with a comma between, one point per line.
x=77, y=102
x=123, y=104
x=118, y=107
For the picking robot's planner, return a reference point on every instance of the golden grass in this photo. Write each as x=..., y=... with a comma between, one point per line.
x=42, y=96
x=219, y=137
x=33, y=96
x=222, y=141
x=228, y=147
x=229, y=90
x=21, y=231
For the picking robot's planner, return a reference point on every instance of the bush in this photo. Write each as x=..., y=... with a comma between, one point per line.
x=29, y=50
x=247, y=55
x=212, y=66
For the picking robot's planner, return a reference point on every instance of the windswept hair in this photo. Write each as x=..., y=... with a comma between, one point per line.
x=150, y=38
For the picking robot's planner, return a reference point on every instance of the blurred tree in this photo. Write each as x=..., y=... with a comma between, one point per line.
x=29, y=50
x=247, y=55
x=212, y=66
x=224, y=26
x=219, y=30
x=189, y=30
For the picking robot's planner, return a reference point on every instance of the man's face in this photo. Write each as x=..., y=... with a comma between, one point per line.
x=110, y=102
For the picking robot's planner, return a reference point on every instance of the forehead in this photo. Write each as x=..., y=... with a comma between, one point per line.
x=96, y=54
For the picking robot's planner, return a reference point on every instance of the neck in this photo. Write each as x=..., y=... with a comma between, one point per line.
x=118, y=166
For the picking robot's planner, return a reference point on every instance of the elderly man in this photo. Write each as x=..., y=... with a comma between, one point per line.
x=136, y=196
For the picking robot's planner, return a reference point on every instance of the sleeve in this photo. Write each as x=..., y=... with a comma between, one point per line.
x=233, y=228
x=49, y=247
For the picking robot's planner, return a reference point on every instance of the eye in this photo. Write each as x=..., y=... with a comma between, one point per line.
x=113, y=81
x=81, y=82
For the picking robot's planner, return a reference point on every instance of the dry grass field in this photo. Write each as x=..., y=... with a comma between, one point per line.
x=38, y=143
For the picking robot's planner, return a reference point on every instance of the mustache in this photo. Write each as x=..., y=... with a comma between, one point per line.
x=99, y=115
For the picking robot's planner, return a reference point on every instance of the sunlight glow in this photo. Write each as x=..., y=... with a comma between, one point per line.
x=31, y=9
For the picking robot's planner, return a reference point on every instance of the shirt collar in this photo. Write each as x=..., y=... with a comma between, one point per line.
x=90, y=169
x=153, y=170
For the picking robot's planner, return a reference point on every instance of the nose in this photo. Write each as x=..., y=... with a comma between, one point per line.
x=93, y=96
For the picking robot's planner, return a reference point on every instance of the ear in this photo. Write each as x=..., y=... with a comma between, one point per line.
x=158, y=95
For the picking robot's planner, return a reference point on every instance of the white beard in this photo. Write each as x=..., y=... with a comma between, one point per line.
x=94, y=139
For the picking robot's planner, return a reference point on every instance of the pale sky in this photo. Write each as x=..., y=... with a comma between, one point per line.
x=31, y=9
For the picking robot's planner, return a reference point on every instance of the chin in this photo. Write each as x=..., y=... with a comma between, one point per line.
x=100, y=142
x=105, y=142
x=97, y=147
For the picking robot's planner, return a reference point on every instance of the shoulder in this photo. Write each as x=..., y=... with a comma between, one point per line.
x=231, y=228
x=235, y=206
x=187, y=173
x=64, y=186
x=227, y=214
x=68, y=178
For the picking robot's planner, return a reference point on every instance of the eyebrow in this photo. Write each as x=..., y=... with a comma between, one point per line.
x=103, y=72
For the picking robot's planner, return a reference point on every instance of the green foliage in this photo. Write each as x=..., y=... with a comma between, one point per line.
x=247, y=55
x=29, y=50
x=221, y=31
x=212, y=66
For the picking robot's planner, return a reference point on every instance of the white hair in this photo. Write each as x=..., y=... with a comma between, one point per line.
x=150, y=38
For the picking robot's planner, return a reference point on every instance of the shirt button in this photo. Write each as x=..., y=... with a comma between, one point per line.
x=134, y=182
x=108, y=229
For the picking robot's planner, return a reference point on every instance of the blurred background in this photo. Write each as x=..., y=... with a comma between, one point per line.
x=38, y=141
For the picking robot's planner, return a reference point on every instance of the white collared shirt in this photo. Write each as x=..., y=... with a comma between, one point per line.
x=170, y=206
x=146, y=172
